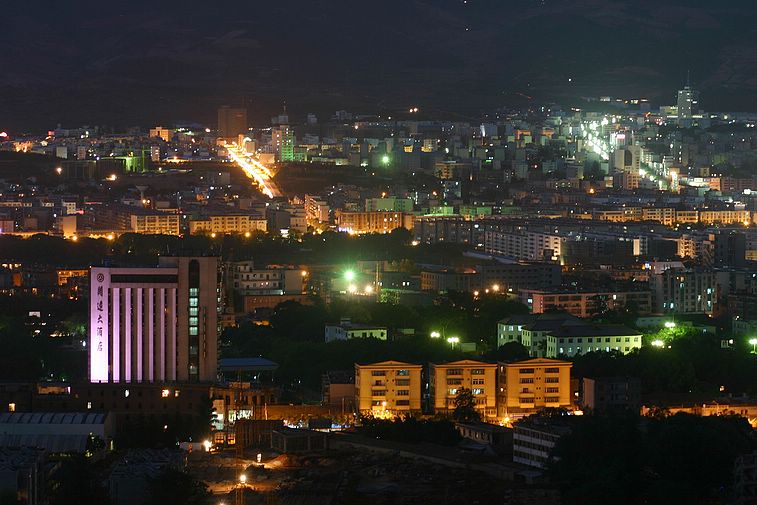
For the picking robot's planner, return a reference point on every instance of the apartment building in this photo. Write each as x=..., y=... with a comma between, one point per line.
x=447, y=379
x=525, y=387
x=373, y=222
x=388, y=388
x=585, y=304
x=155, y=223
x=228, y=224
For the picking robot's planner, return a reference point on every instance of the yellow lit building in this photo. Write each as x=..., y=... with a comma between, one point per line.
x=373, y=222
x=687, y=216
x=228, y=223
x=525, y=387
x=155, y=223
x=446, y=380
x=388, y=388
x=725, y=216
x=666, y=216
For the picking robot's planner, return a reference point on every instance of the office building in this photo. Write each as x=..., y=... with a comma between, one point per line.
x=447, y=379
x=687, y=106
x=388, y=388
x=232, y=122
x=154, y=324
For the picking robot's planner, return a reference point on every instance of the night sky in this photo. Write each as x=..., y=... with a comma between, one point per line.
x=138, y=62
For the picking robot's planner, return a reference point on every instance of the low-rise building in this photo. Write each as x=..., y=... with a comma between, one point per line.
x=533, y=442
x=373, y=222
x=576, y=340
x=525, y=387
x=585, y=304
x=228, y=224
x=604, y=394
x=388, y=388
x=447, y=379
x=347, y=330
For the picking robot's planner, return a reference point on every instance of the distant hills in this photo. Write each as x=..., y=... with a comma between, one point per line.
x=145, y=62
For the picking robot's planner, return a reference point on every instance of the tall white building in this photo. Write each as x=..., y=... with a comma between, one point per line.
x=154, y=324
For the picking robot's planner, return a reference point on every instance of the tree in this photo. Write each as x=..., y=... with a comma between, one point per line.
x=465, y=407
x=511, y=351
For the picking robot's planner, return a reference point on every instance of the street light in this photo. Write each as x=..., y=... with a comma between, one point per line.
x=753, y=342
x=658, y=343
x=243, y=479
x=435, y=334
x=453, y=340
x=349, y=275
x=670, y=324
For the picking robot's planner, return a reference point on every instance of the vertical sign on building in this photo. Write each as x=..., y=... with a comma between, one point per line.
x=98, y=325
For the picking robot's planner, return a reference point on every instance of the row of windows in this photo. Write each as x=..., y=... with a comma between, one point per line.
x=607, y=340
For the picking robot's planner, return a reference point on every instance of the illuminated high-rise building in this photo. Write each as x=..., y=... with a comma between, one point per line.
x=232, y=122
x=155, y=324
x=687, y=105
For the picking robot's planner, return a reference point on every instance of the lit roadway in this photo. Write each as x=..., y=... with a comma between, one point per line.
x=255, y=171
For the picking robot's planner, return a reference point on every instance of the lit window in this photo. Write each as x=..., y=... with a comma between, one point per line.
x=11, y=407
x=165, y=393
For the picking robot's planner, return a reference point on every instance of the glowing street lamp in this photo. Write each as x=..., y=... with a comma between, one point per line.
x=658, y=343
x=753, y=343
x=670, y=324
x=349, y=275
x=352, y=289
x=385, y=159
x=243, y=479
x=452, y=341
x=435, y=334
x=495, y=288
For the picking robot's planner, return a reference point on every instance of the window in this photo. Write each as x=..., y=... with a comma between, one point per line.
x=402, y=403
x=478, y=391
x=402, y=382
x=378, y=373
x=403, y=373
x=552, y=370
x=477, y=371
x=552, y=380
x=454, y=371
x=403, y=392
x=453, y=391
x=527, y=380
x=526, y=370
x=553, y=390
x=478, y=382
x=454, y=382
